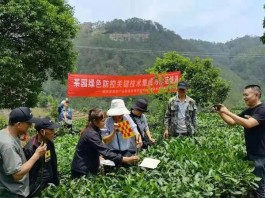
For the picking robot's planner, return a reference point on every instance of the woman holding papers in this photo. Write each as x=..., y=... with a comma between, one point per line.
x=90, y=147
x=121, y=134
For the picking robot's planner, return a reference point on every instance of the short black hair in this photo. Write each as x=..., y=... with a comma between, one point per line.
x=252, y=86
x=96, y=115
x=255, y=88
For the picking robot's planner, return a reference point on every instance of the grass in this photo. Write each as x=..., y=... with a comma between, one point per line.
x=37, y=112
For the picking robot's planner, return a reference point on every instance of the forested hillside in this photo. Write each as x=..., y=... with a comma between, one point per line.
x=131, y=46
x=125, y=47
x=244, y=57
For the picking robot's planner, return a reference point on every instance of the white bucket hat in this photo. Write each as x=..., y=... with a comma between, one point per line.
x=117, y=107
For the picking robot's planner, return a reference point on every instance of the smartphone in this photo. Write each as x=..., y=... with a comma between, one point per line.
x=217, y=107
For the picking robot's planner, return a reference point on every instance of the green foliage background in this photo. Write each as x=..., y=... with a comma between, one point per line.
x=36, y=42
x=206, y=86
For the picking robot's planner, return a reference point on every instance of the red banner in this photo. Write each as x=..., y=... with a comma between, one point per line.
x=86, y=85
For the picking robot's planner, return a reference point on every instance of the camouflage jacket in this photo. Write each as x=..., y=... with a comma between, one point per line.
x=171, y=115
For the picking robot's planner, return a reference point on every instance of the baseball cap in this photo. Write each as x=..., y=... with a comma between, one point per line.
x=182, y=85
x=46, y=123
x=22, y=114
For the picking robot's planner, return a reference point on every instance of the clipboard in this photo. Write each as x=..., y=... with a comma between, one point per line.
x=107, y=162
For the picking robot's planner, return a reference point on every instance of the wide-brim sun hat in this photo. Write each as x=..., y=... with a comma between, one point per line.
x=117, y=107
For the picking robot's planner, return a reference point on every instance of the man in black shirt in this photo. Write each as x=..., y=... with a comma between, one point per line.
x=253, y=121
x=45, y=169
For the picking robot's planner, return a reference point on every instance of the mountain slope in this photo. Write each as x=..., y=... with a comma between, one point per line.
x=131, y=46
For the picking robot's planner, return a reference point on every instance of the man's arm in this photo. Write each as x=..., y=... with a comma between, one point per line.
x=148, y=133
x=25, y=168
x=227, y=118
x=245, y=122
x=232, y=119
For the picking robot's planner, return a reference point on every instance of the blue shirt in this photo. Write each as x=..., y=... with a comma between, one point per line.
x=68, y=113
x=119, y=143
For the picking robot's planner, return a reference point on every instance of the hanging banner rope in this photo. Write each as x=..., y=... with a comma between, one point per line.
x=86, y=85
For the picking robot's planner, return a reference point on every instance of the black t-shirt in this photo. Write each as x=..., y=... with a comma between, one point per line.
x=255, y=136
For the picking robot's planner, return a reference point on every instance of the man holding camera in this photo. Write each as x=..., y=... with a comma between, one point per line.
x=253, y=121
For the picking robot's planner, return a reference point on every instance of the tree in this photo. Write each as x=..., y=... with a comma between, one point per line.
x=263, y=37
x=205, y=84
x=35, y=42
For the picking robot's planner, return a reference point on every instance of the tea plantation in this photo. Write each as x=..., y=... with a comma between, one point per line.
x=210, y=164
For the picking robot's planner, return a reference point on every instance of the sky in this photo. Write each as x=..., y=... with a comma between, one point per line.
x=207, y=20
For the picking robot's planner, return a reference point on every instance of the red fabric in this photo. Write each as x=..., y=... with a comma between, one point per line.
x=86, y=85
x=24, y=137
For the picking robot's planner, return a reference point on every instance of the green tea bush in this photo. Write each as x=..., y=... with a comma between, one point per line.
x=3, y=122
x=209, y=164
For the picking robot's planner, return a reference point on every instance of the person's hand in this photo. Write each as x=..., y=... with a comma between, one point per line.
x=101, y=157
x=116, y=127
x=40, y=151
x=130, y=160
x=216, y=107
x=223, y=109
x=165, y=135
x=152, y=140
x=220, y=108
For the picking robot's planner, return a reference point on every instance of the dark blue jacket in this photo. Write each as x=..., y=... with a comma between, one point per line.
x=88, y=150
